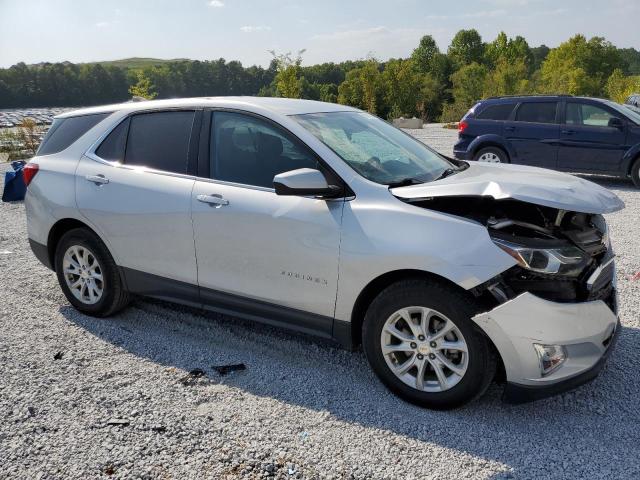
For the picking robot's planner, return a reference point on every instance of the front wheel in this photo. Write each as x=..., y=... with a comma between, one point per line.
x=420, y=341
x=635, y=173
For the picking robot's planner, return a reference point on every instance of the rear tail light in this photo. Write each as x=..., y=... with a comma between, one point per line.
x=28, y=172
x=462, y=126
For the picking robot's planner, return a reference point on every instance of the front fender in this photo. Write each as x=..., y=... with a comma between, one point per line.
x=491, y=139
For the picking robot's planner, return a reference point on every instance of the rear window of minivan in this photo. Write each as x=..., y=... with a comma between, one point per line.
x=498, y=111
x=64, y=131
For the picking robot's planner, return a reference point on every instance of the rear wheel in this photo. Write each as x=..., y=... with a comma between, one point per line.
x=491, y=155
x=635, y=173
x=88, y=275
x=420, y=341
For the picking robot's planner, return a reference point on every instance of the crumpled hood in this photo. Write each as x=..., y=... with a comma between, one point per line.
x=527, y=184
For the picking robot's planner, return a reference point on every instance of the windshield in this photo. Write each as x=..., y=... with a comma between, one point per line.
x=376, y=150
x=630, y=113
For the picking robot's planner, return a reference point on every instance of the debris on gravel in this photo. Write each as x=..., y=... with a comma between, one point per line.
x=302, y=410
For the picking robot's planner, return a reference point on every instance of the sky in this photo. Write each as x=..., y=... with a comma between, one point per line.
x=34, y=31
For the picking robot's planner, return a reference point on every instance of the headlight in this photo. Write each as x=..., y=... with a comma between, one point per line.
x=568, y=260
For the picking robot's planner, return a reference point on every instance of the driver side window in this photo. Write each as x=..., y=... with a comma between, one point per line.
x=251, y=151
x=587, y=114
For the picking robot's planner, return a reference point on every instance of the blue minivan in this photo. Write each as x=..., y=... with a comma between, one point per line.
x=561, y=132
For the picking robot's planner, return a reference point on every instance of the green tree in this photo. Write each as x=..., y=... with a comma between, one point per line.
x=619, y=86
x=424, y=55
x=362, y=88
x=468, y=87
x=466, y=48
x=402, y=85
x=507, y=78
x=508, y=49
x=143, y=88
x=288, y=81
x=580, y=67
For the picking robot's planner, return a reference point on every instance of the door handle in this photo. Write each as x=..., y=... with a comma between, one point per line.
x=214, y=199
x=509, y=129
x=97, y=179
x=567, y=132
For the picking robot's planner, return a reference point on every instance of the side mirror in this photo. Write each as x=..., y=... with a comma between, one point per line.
x=616, y=122
x=305, y=182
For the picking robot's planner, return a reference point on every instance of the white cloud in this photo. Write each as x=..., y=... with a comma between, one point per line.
x=381, y=42
x=479, y=14
x=103, y=24
x=352, y=34
x=255, y=28
x=216, y=3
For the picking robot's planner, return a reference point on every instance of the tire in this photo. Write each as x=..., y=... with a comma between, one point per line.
x=444, y=303
x=635, y=173
x=81, y=258
x=491, y=155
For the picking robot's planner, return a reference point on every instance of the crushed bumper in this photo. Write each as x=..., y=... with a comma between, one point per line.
x=587, y=331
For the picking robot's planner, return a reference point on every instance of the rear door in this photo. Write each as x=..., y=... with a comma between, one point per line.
x=135, y=188
x=587, y=142
x=252, y=243
x=533, y=133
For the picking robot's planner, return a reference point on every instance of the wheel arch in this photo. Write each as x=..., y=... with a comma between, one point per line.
x=496, y=141
x=378, y=284
x=59, y=229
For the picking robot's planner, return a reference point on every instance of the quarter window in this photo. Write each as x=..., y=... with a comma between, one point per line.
x=64, y=131
x=250, y=151
x=587, y=114
x=537, y=112
x=499, y=111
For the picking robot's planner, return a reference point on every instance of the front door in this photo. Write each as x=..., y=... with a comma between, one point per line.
x=587, y=141
x=277, y=251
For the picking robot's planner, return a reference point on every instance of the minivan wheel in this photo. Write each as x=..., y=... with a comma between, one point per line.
x=491, y=155
x=635, y=173
x=88, y=275
x=420, y=341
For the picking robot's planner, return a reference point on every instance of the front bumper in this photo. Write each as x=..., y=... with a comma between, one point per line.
x=587, y=331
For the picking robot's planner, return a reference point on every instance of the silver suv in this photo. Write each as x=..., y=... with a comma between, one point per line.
x=327, y=220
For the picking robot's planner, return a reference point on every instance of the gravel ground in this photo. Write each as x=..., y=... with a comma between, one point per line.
x=88, y=398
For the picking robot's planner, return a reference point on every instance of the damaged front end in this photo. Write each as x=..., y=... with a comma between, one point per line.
x=560, y=255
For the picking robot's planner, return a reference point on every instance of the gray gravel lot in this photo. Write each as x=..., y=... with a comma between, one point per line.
x=114, y=405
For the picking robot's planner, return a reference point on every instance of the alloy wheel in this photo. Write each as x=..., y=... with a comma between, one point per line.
x=424, y=349
x=83, y=274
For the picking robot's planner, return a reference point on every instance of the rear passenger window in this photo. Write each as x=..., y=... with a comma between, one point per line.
x=251, y=151
x=537, y=112
x=499, y=111
x=64, y=131
x=158, y=140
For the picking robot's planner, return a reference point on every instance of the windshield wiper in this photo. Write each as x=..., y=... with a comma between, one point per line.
x=448, y=172
x=403, y=182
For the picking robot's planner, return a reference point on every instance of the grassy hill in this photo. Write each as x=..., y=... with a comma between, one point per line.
x=136, y=62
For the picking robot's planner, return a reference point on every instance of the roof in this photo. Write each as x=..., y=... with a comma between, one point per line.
x=283, y=106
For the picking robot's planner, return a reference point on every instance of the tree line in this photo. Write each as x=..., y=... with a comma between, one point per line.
x=430, y=83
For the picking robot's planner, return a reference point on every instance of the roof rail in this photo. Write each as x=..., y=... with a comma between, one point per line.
x=531, y=95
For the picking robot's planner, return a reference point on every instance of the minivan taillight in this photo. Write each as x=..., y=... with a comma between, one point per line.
x=462, y=126
x=28, y=172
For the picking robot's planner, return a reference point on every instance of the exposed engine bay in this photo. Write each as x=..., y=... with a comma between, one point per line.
x=562, y=256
